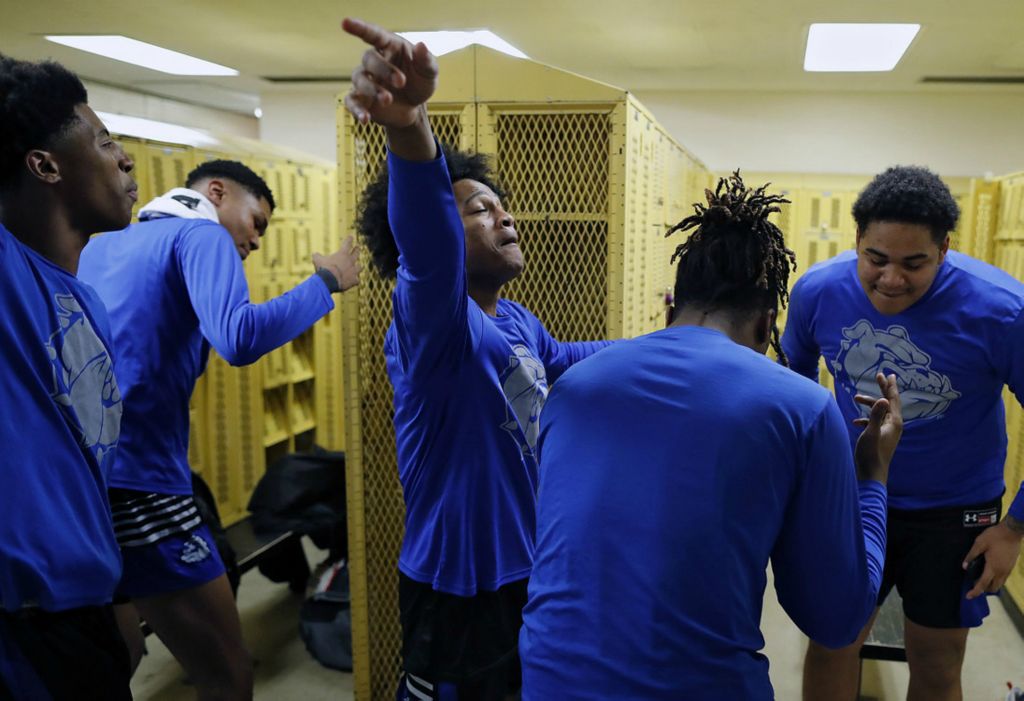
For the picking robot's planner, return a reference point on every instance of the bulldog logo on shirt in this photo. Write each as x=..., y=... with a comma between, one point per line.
x=83, y=379
x=525, y=384
x=866, y=351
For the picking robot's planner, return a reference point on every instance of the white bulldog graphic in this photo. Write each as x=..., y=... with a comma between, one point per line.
x=866, y=351
x=525, y=385
x=83, y=379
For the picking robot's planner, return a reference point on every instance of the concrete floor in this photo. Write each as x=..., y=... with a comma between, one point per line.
x=286, y=672
x=270, y=623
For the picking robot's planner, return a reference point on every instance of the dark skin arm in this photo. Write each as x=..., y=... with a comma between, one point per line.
x=883, y=428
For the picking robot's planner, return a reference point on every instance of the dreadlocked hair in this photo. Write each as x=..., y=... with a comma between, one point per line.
x=735, y=258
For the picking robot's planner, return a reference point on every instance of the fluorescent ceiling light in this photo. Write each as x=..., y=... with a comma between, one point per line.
x=857, y=47
x=446, y=41
x=121, y=48
x=142, y=128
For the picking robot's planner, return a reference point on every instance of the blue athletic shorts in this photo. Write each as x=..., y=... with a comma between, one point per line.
x=180, y=561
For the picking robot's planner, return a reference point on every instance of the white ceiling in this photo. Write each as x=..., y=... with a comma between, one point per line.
x=645, y=45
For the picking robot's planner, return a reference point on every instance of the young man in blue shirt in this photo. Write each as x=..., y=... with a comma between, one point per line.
x=174, y=287
x=62, y=178
x=676, y=465
x=951, y=330
x=471, y=372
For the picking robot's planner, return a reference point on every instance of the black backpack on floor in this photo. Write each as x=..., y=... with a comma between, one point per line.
x=325, y=620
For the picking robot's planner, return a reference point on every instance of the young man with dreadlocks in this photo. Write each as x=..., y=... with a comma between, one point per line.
x=951, y=330
x=676, y=465
x=470, y=370
x=174, y=287
x=62, y=178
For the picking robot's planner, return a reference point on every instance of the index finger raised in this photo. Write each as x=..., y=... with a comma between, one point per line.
x=372, y=34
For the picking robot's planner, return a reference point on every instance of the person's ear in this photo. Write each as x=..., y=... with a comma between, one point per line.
x=215, y=191
x=763, y=328
x=42, y=166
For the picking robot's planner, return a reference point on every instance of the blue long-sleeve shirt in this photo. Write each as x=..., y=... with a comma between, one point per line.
x=673, y=468
x=175, y=287
x=952, y=352
x=60, y=415
x=469, y=388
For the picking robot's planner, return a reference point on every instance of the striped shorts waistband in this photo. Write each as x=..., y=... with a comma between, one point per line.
x=144, y=519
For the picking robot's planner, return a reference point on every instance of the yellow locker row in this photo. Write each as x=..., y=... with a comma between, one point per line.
x=1006, y=196
x=242, y=419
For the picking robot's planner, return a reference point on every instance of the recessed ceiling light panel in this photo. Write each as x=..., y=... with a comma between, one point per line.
x=142, y=128
x=139, y=53
x=857, y=47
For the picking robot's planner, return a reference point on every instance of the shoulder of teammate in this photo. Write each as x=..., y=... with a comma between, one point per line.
x=992, y=288
x=201, y=242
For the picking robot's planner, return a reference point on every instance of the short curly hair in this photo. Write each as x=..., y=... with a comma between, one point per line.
x=910, y=195
x=235, y=172
x=37, y=107
x=372, y=215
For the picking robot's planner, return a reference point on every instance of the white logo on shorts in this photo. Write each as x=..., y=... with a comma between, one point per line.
x=195, y=550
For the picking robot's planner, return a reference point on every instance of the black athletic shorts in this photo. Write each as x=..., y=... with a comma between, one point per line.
x=924, y=555
x=73, y=655
x=469, y=643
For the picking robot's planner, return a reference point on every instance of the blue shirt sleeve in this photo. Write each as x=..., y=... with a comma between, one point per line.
x=797, y=340
x=830, y=553
x=431, y=296
x=240, y=331
x=558, y=357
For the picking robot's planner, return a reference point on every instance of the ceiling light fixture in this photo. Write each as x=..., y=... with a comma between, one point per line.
x=446, y=41
x=857, y=47
x=142, y=128
x=139, y=53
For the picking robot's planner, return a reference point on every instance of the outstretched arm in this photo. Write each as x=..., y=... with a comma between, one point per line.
x=390, y=87
x=240, y=331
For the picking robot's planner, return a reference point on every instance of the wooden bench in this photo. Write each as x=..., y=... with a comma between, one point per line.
x=250, y=547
